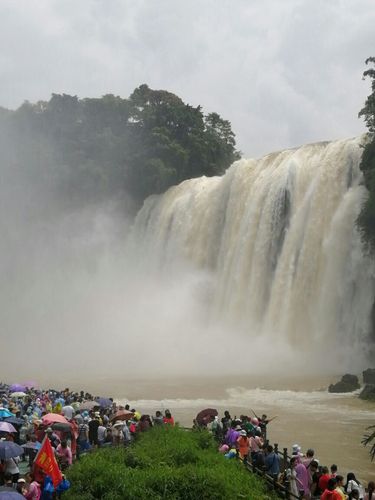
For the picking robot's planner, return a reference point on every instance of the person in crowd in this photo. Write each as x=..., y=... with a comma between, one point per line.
x=315, y=476
x=340, y=486
x=34, y=490
x=308, y=458
x=144, y=423
x=226, y=421
x=352, y=483
x=370, y=493
x=11, y=467
x=102, y=434
x=158, y=418
x=8, y=480
x=271, y=462
x=333, y=469
x=330, y=493
x=255, y=446
x=21, y=487
x=263, y=422
x=243, y=445
x=127, y=434
x=53, y=437
x=291, y=475
x=93, y=430
x=216, y=429
x=232, y=435
x=83, y=435
x=324, y=478
x=303, y=479
x=117, y=432
x=64, y=454
x=168, y=419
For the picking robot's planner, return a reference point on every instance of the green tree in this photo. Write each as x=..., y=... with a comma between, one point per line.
x=83, y=150
x=366, y=219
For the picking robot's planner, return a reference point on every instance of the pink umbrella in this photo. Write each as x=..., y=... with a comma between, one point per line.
x=7, y=427
x=51, y=418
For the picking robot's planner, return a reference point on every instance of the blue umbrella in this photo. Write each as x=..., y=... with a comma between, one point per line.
x=104, y=402
x=4, y=413
x=10, y=494
x=14, y=420
x=8, y=449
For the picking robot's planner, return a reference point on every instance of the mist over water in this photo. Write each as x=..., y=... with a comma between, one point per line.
x=258, y=271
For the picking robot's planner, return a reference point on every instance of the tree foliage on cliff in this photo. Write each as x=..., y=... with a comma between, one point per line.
x=98, y=147
x=366, y=219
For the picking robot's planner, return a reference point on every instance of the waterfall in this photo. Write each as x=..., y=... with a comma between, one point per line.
x=277, y=241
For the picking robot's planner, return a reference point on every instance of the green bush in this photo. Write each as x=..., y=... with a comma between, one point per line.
x=165, y=463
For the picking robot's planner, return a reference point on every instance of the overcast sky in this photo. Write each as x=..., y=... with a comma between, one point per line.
x=284, y=72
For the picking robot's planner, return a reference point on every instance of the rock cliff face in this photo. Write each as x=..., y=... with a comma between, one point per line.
x=348, y=383
x=368, y=391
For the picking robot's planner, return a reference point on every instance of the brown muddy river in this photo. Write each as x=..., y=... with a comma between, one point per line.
x=331, y=424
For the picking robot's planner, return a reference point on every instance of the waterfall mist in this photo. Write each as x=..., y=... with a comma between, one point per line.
x=258, y=271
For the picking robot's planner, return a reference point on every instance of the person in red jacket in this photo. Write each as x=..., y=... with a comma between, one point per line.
x=168, y=419
x=324, y=478
x=330, y=493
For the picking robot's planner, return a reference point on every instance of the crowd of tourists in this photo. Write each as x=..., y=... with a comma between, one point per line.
x=34, y=421
x=304, y=476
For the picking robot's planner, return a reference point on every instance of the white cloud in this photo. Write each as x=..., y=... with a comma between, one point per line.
x=284, y=73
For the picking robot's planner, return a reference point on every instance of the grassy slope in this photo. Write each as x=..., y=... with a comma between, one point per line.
x=165, y=463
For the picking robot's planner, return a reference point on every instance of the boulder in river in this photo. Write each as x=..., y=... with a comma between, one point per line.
x=348, y=383
x=369, y=376
x=368, y=392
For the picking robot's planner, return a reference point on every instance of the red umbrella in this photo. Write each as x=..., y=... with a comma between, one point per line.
x=51, y=418
x=122, y=415
x=206, y=416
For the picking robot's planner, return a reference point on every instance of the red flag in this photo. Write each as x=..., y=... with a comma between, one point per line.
x=46, y=460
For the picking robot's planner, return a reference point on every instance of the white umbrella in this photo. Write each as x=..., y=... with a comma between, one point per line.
x=18, y=395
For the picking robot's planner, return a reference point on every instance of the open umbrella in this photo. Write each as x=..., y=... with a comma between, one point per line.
x=51, y=418
x=8, y=449
x=89, y=405
x=17, y=388
x=10, y=494
x=59, y=426
x=31, y=445
x=122, y=415
x=14, y=420
x=18, y=394
x=206, y=416
x=4, y=413
x=105, y=402
x=7, y=427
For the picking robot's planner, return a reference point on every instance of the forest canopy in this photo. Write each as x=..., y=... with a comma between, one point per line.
x=94, y=148
x=366, y=219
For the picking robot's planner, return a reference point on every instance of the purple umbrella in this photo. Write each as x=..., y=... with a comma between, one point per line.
x=8, y=449
x=7, y=427
x=17, y=388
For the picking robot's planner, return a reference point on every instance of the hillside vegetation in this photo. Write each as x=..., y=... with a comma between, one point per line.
x=165, y=463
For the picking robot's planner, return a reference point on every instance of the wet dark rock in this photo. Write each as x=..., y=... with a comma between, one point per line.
x=348, y=383
x=369, y=376
x=368, y=392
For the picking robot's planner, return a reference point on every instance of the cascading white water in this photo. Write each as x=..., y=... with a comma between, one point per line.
x=278, y=240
